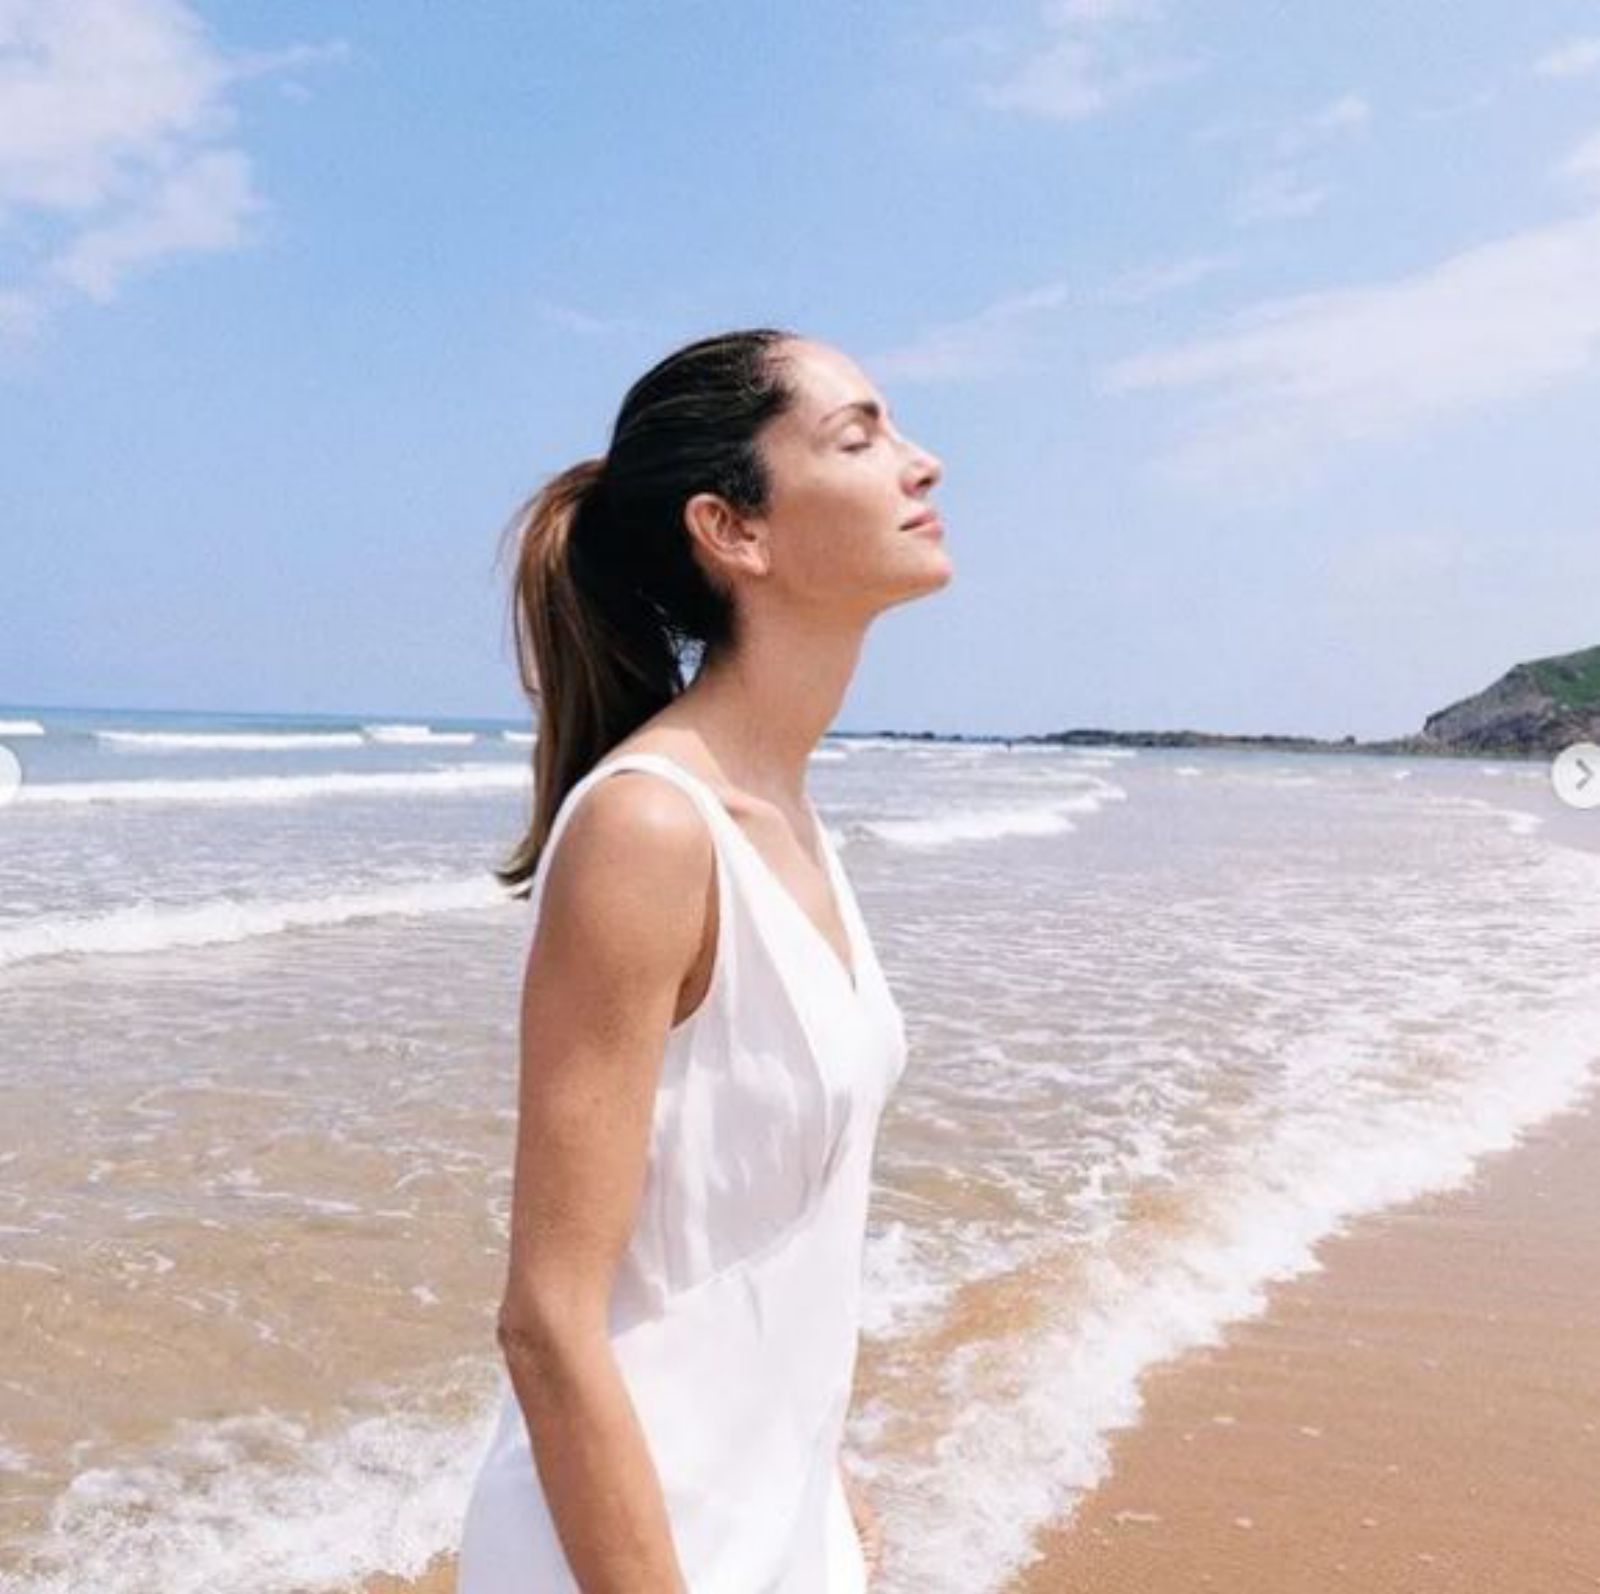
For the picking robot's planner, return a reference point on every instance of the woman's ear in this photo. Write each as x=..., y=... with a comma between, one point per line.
x=727, y=540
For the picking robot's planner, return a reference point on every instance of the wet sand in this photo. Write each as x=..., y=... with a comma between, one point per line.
x=1423, y=1414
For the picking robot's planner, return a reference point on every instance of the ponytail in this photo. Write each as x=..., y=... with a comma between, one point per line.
x=607, y=597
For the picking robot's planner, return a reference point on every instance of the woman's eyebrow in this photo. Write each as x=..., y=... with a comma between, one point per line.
x=868, y=407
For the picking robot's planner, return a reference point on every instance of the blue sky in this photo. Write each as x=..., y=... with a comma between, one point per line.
x=1260, y=343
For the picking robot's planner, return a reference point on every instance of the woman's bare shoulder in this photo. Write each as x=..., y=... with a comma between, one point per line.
x=630, y=873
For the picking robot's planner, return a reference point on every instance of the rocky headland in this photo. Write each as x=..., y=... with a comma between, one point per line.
x=1533, y=711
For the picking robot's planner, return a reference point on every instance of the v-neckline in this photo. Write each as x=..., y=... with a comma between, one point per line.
x=851, y=975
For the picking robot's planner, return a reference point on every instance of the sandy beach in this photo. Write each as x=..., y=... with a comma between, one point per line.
x=1423, y=1414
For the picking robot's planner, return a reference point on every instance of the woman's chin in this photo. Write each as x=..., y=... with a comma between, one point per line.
x=941, y=570
x=931, y=575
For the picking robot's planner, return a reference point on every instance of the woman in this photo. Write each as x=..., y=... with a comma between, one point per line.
x=707, y=1036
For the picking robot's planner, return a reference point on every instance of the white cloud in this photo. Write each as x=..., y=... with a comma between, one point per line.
x=200, y=206
x=1347, y=114
x=1282, y=191
x=1064, y=13
x=90, y=90
x=982, y=345
x=1062, y=83
x=1156, y=282
x=1576, y=58
x=1583, y=163
x=1297, y=377
x=1277, y=196
x=1001, y=336
x=1070, y=81
x=1464, y=105
x=568, y=318
x=1085, y=67
x=1340, y=118
x=19, y=315
x=269, y=63
x=116, y=142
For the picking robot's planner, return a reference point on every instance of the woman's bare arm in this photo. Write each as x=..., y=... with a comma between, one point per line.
x=624, y=913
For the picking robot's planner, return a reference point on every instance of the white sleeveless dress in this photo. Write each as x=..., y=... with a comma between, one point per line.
x=735, y=1314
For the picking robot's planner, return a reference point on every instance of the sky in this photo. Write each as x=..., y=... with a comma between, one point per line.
x=1260, y=343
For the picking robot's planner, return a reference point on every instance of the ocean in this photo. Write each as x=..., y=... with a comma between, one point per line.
x=1174, y=1017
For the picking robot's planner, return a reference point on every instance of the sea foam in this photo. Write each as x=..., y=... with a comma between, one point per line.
x=228, y=741
x=249, y=789
x=1030, y=1412
x=264, y=1504
x=149, y=927
x=418, y=735
x=950, y=826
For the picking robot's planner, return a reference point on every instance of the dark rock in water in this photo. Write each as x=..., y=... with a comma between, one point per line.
x=1533, y=709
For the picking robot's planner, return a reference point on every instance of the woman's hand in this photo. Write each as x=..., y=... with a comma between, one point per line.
x=868, y=1529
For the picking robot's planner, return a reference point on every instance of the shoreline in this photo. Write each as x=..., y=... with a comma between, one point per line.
x=1420, y=1413
x=1423, y=1413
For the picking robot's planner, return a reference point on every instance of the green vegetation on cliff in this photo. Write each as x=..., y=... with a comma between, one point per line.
x=1572, y=679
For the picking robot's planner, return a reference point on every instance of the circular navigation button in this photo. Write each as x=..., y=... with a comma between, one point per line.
x=1575, y=774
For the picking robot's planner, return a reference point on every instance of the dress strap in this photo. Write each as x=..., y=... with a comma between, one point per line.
x=701, y=794
x=706, y=800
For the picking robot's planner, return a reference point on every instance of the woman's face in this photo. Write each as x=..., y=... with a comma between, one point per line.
x=848, y=520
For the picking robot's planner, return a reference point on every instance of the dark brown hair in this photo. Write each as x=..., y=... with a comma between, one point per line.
x=608, y=601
